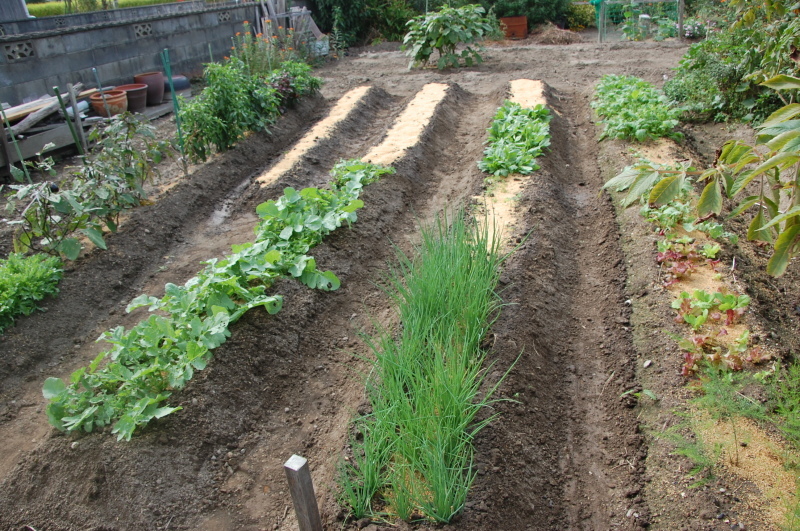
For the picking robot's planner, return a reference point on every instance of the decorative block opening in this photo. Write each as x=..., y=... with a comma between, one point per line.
x=18, y=51
x=142, y=30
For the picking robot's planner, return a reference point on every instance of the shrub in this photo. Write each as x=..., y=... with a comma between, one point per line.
x=580, y=17
x=537, y=11
x=442, y=31
x=235, y=102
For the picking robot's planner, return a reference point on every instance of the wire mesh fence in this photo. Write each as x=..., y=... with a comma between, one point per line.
x=638, y=20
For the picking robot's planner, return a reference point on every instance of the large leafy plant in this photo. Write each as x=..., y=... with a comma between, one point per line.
x=49, y=217
x=442, y=31
x=238, y=100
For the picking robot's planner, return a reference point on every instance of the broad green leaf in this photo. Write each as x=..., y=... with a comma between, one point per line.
x=780, y=161
x=96, y=237
x=53, y=387
x=164, y=411
x=666, y=190
x=267, y=209
x=710, y=200
x=755, y=232
x=624, y=180
x=782, y=82
x=286, y=233
x=781, y=115
x=792, y=212
x=642, y=185
x=785, y=249
x=787, y=141
x=70, y=247
x=765, y=134
x=743, y=206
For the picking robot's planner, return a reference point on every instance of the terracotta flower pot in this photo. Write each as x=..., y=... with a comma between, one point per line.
x=515, y=27
x=155, y=86
x=137, y=96
x=116, y=100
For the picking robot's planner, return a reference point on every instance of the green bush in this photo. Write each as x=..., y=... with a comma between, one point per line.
x=442, y=31
x=580, y=17
x=235, y=102
x=24, y=281
x=537, y=11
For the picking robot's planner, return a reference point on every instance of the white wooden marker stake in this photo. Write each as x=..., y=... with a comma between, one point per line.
x=305, y=503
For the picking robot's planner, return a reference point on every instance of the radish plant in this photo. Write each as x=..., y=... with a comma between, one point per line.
x=158, y=356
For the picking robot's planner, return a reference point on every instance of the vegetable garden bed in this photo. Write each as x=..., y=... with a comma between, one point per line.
x=566, y=450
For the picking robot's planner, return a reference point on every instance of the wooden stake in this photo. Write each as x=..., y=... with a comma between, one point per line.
x=302, y=489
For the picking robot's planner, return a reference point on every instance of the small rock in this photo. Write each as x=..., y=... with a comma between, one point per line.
x=286, y=410
x=647, y=363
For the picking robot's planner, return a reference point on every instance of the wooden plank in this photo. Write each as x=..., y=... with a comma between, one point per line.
x=37, y=116
x=273, y=18
x=305, y=503
x=21, y=111
x=76, y=117
x=59, y=137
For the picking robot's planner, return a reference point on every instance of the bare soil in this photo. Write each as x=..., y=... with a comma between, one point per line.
x=567, y=451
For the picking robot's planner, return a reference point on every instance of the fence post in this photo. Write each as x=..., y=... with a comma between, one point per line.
x=302, y=489
x=602, y=22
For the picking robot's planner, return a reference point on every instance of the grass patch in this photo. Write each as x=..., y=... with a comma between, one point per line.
x=53, y=9
x=413, y=454
x=24, y=281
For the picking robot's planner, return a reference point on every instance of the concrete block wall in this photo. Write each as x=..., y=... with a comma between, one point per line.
x=32, y=64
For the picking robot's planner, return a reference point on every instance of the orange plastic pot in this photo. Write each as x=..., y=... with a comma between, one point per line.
x=116, y=100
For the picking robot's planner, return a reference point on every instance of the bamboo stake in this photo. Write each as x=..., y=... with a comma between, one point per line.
x=102, y=94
